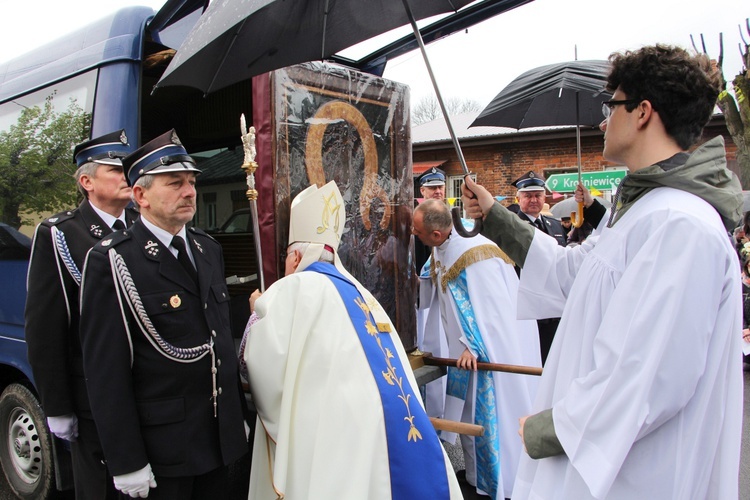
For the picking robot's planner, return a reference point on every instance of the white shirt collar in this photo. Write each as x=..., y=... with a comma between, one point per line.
x=165, y=237
x=532, y=218
x=108, y=219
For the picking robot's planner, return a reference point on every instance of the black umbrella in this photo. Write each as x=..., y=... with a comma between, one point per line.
x=569, y=93
x=233, y=41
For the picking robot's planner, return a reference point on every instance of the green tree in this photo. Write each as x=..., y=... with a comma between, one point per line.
x=36, y=168
x=736, y=108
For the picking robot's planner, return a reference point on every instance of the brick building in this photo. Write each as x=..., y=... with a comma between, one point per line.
x=499, y=155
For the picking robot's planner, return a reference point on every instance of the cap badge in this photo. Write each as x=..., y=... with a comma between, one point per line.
x=124, y=138
x=175, y=139
x=175, y=301
x=152, y=248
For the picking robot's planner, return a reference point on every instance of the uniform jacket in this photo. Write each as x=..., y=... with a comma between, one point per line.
x=52, y=308
x=552, y=227
x=150, y=408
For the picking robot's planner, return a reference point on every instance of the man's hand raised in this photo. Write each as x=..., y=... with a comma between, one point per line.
x=476, y=199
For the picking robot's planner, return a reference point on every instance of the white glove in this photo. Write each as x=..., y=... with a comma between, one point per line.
x=64, y=426
x=136, y=484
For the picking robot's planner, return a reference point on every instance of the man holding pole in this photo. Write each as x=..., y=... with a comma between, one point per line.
x=474, y=289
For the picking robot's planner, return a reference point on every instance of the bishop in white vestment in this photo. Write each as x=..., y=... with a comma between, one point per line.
x=339, y=413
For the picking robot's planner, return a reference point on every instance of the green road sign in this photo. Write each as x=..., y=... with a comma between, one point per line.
x=603, y=181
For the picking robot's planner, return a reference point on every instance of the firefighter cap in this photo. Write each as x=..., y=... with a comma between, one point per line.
x=107, y=149
x=159, y=156
x=529, y=182
x=432, y=177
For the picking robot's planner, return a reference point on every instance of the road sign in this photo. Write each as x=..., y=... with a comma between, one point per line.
x=603, y=181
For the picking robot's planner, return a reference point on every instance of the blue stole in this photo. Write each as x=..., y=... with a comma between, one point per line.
x=487, y=447
x=415, y=455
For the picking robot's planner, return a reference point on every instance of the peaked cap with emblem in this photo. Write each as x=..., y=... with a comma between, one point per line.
x=318, y=215
x=529, y=182
x=161, y=155
x=432, y=177
x=107, y=149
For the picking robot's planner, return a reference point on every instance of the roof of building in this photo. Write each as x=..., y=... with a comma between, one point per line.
x=221, y=168
x=436, y=130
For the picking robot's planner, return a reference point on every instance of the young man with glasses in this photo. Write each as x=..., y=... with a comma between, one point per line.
x=641, y=395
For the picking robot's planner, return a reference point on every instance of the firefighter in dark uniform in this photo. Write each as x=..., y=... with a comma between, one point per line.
x=52, y=320
x=431, y=185
x=159, y=357
x=531, y=193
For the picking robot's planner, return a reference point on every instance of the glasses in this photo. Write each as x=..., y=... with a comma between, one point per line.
x=607, y=106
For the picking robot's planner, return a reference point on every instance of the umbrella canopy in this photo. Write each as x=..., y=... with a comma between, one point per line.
x=546, y=96
x=235, y=40
x=568, y=205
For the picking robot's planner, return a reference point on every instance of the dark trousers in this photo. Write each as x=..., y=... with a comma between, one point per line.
x=90, y=477
x=211, y=485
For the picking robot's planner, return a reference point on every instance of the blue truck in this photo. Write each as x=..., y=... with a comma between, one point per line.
x=27, y=450
x=109, y=68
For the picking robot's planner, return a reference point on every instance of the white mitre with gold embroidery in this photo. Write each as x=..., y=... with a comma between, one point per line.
x=317, y=217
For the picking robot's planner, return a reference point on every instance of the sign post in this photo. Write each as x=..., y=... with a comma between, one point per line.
x=603, y=181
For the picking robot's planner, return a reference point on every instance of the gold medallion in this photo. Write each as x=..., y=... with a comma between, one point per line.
x=175, y=301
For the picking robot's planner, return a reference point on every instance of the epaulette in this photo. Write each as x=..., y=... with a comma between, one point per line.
x=58, y=218
x=112, y=240
x=200, y=232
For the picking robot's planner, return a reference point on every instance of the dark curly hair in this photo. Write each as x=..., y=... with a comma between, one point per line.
x=681, y=87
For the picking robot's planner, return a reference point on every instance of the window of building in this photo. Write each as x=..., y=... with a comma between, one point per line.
x=239, y=199
x=209, y=210
x=453, y=190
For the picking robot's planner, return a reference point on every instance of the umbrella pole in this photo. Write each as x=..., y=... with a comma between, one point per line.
x=576, y=218
x=249, y=166
x=457, y=223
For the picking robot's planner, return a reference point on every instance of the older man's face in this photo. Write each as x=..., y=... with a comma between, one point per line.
x=170, y=201
x=531, y=202
x=436, y=192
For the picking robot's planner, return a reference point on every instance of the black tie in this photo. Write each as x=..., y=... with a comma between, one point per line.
x=182, y=256
x=119, y=225
x=538, y=223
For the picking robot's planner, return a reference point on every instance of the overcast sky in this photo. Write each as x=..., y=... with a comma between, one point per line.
x=477, y=64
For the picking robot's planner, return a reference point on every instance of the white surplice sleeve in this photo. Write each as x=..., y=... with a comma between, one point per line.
x=652, y=346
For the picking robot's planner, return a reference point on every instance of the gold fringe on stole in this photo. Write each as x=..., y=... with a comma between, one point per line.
x=472, y=256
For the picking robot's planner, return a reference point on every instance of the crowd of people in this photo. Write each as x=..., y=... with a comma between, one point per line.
x=636, y=324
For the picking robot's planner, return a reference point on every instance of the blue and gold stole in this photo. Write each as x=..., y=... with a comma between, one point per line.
x=415, y=455
x=487, y=446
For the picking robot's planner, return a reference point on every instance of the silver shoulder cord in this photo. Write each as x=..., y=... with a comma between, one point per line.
x=61, y=246
x=126, y=287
